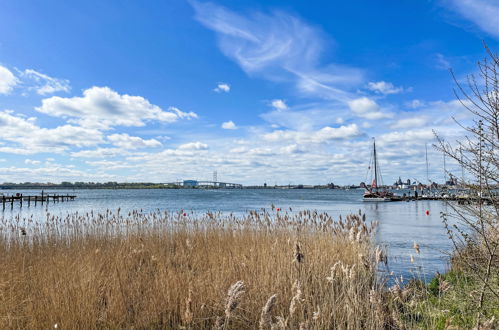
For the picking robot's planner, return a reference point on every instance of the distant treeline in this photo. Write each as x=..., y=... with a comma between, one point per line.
x=87, y=185
x=144, y=185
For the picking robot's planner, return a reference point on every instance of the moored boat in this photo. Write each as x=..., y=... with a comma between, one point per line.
x=373, y=194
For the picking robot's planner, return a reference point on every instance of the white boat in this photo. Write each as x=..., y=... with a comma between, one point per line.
x=373, y=194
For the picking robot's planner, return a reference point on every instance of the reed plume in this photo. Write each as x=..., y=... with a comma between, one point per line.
x=266, y=316
x=233, y=298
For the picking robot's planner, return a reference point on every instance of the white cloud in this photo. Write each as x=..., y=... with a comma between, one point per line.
x=100, y=153
x=323, y=135
x=102, y=107
x=45, y=84
x=279, y=47
x=31, y=138
x=110, y=165
x=229, y=125
x=441, y=62
x=292, y=149
x=53, y=173
x=126, y=141
x=279, y=105
x=309, y=116
x=367, y=108
x=410, y=122
x=193, y=146
x=7, y=80
x=238, y=150
x=414, y=104
x=222, y=87
x=406, y=136
x=261, y=152
x=483, y=13
x=385, y=88
x=32, y=162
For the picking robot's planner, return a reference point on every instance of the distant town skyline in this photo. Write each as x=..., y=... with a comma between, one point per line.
x=259, y=91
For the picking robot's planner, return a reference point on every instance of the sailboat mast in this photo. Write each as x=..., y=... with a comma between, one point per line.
x=426, y=155
x=375, y=165
x=445, y=172
x=462, y=166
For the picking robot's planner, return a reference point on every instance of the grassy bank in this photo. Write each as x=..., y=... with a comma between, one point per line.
x=457, y=299
x=164, y=270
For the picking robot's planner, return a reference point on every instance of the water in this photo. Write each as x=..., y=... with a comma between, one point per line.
x=400, y=223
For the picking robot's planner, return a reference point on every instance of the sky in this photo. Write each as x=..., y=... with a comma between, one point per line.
x=276, y=92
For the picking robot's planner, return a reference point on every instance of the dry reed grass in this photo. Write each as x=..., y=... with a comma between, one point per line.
x=167, y=270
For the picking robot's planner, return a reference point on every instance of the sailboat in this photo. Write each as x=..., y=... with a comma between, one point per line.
x=373, y=194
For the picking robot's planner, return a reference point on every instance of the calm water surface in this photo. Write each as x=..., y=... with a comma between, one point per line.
x=400, y=223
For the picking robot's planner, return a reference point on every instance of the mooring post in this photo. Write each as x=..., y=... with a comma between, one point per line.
x=29, y=201
x=3, y=202
x=42, y=197
x=12, y=202
x=21, y=200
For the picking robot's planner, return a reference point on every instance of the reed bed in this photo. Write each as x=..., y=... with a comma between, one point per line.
x=267, y=270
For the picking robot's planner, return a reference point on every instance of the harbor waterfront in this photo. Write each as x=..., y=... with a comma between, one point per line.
x=401, y=224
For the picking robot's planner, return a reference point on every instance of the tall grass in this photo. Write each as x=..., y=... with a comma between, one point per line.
x=175, y=270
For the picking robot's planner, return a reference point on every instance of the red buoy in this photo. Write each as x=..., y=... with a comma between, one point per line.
x=185, y=214
x=427, y=212
x=278, y=209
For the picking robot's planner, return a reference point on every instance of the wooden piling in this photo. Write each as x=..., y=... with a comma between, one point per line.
x=43, y=198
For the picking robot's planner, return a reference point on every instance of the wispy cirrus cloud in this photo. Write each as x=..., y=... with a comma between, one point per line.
x=44, y=84
x=483, y=13
x=31, y=80
x=280, y=47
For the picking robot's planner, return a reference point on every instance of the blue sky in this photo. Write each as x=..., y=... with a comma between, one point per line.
x=260, y=91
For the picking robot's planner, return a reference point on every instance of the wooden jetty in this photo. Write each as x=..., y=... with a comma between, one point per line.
x=29, y=199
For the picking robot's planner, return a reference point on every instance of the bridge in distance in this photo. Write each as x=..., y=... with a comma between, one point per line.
x=209, y=184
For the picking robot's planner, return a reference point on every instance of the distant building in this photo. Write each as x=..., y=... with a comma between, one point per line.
x=399, y=184
x=452, y=181
x=190, y=183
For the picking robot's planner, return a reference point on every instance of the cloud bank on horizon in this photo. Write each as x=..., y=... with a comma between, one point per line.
x=306, y=102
